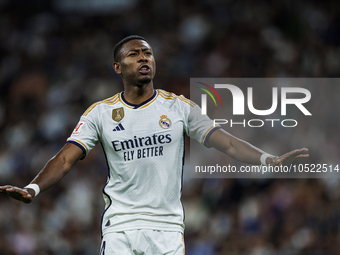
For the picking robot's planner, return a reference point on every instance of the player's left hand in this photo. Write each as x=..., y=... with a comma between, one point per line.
x=288, y=157
x=17, y=193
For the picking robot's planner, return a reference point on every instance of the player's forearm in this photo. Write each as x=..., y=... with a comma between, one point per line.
x=244, y=152
x=54, y=170
x=57, y=167
x=236, y=148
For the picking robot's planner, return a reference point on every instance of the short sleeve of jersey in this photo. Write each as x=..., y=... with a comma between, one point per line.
x=200, y=127
x=85, y=134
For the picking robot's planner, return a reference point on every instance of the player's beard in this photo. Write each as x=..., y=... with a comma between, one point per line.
x=144, y=80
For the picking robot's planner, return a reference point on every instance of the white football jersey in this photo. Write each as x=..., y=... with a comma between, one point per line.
x=144, y=147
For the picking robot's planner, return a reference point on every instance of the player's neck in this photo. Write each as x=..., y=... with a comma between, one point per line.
x=138, y=94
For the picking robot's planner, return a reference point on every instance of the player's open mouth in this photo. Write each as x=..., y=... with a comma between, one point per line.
x=144, y=69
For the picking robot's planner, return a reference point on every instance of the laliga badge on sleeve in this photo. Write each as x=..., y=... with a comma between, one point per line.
x=78, y=128
x=118, y=114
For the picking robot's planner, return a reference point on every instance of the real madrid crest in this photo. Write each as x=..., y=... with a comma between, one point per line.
x=164, y=122
x=118, y=114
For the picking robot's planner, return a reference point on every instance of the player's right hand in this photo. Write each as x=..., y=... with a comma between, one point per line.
x=17, y=193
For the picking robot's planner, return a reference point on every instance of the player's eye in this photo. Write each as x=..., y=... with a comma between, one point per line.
x=133, y=54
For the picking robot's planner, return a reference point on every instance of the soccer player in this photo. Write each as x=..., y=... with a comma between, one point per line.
x=142, y=132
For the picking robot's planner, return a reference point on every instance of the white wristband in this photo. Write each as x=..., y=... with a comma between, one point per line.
x=263, y=158
x=35, y=187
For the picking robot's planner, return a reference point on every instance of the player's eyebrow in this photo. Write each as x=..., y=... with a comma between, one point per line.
x=138, y=49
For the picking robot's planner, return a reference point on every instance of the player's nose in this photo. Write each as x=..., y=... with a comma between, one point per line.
x=143, y=58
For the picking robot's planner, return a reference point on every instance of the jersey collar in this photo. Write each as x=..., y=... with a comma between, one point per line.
x=138, y=106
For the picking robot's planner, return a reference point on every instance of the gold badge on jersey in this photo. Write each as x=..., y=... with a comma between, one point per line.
x=164, y=122
x=118, y=114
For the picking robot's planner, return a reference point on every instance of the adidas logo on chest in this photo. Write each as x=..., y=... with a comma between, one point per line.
x=119, y=127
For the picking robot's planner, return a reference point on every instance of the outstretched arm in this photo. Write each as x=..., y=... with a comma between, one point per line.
x=55, y=169
x=247, y=153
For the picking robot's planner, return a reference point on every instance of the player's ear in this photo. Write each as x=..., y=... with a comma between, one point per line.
x=117, y=67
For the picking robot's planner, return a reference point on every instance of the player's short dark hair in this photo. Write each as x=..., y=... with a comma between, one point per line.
x=122, y=42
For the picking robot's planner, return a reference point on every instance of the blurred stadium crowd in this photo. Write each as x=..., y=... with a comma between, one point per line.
x=55, y=61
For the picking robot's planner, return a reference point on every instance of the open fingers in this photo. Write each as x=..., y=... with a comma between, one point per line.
x=296, y=153
x=302, y=151
x=289, y=157
x=17, y=193
x=4, y=188
x=302, y=156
